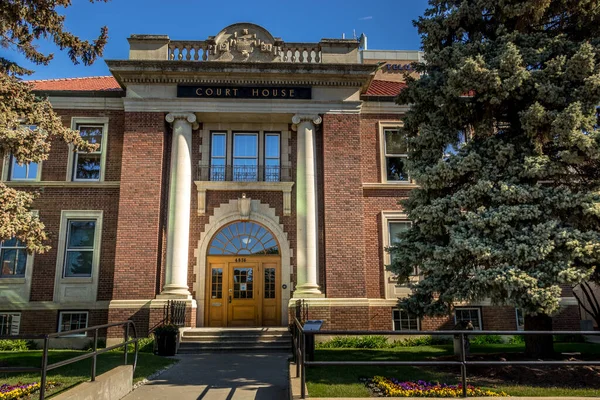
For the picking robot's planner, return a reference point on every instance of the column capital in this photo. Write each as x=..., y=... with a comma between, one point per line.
x=189, y=117
x=312, y=118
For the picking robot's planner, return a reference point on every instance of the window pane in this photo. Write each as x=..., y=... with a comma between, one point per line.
x=245, y=145
x=32, y=173
x=218, y=145
x=217, y=283
x=396, y=170
x=395, y=228
x=467, y=315
x=81, y=234
x=272, y=146
x=78, y=263
x=245, y=169
x=91, y=134
x=72, y=321
x=87, y=166
x=13, y=262
x=395, y=142
x=18, y=171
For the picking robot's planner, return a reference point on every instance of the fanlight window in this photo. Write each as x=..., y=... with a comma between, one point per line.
x=243, y=238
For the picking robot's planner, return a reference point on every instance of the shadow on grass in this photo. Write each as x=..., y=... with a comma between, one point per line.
x=73, y=374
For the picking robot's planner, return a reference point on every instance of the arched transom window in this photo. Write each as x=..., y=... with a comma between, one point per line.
x=243, y=238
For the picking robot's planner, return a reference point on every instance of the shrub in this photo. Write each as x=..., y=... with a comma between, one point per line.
x=519, y=339
x=569, y=338
x=358, y=342
x=421, y=341
x=487, y=339
x=13, y=345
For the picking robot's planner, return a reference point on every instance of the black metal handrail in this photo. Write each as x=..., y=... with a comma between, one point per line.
x=245, y=173
x=300, y=334
x=173, y=314
x=45, y=367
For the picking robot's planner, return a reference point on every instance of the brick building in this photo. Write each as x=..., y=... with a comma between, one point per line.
x=237, y=174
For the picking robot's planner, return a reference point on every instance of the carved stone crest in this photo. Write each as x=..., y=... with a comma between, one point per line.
x=245, y=42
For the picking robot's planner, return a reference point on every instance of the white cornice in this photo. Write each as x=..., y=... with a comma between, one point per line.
x=65, y=184
x=242, y=106
x=382, y=107
x=86, y=103
x=390, y=186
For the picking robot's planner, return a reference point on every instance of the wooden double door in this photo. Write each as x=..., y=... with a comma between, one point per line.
x=243, y=291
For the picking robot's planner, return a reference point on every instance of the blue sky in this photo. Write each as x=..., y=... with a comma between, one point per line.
x=387, y=24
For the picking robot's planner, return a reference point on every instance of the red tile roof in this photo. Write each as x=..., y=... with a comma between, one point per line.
x=93, y=83
x=384, y=88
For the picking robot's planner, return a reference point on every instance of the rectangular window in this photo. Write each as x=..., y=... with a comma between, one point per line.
x=403, y=321
x=9, y=323
x=272, y=157
x=394, y=230
x=520, y=319
x=79, y=252
x=217, y=283
x=86, y=166
x=24, y=172
x=70, y=321
x=13, y=255
x=472, y=315
x=396, y=154
x=269, y=284
x=245, y=157
x=218, y=156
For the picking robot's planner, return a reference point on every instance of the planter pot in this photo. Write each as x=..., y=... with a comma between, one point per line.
x=167, y=344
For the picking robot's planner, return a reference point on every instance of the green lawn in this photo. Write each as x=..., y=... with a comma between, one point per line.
x=73, y=374
x=345, y=381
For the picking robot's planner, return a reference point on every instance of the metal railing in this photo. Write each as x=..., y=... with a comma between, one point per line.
x=45, y=367
x=299, y=342
x=245, y=173
x=173, y=314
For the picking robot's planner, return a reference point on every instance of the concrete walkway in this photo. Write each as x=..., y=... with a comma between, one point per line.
x=220, y=376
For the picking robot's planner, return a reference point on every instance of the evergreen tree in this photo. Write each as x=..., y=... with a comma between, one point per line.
x=27, y=122
x=513, y=214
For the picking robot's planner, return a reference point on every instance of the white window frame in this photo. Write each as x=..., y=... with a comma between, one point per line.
x=393, y=290
x=15, y=322
x=60, y=280
x=72, y=158
x=257, y=136
x=2, y=247
x=519, y=327
x=383, y=127
x=18, y=289
x=262, y=129
x=70, y=312
x=394, y=320
x=478, y=309
x=7, y=169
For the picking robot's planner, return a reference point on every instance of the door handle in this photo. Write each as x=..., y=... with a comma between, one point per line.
x=230, y=299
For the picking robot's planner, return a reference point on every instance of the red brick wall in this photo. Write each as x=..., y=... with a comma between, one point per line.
x=55, y=168
x=36, y=322
x=567, y=319
x=50, y=203
x=138, y=254
x=499, y=318
x=343, y=209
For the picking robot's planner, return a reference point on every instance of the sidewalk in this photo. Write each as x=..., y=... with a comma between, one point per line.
x=220, y=376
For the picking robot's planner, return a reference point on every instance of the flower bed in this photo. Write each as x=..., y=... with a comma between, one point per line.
x=394, y=388
x=12, y=392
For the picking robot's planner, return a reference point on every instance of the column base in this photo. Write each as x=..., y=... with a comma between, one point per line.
x=175, y=292
x=307, y=291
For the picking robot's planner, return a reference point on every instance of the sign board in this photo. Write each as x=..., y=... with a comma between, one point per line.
x=313, y=325
x=245, y=92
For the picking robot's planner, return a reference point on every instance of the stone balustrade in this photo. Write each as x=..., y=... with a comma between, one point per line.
x=197, y=50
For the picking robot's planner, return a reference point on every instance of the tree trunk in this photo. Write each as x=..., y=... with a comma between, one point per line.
x=539, y=346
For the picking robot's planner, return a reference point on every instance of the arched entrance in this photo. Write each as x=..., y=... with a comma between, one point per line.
x=243, y=277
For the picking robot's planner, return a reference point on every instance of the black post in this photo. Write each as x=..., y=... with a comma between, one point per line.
x=303, y=374
x=94, y=359
x=44, y=368
x=297, y=339
x=126, y=345
x=463, y=366
x=135, y=356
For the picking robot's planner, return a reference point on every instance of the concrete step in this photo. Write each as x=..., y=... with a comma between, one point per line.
x=228, y=339
x=200, y=340
x=234, y=349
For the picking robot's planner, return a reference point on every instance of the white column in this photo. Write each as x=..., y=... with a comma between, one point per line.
x=306, y=207
x=180, y=197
